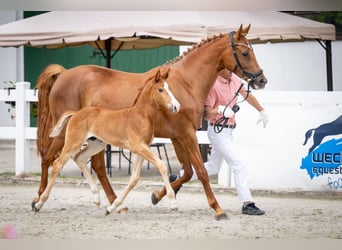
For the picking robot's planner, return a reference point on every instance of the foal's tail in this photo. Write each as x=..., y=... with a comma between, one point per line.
x=61, y=123
x=308, y=135
x=44, y=121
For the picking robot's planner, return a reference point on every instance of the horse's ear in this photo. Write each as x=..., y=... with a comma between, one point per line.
x=246, y=30
x=243, y=31
x=166, y=74
x=157, y=76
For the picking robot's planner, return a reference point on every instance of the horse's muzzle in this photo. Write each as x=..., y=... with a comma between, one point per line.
x=174, y=107
x=259, y=82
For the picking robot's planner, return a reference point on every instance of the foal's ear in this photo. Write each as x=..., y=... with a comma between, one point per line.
x=243, y=31
x=157, y=76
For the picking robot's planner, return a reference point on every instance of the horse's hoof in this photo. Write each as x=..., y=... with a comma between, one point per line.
x=107, y=212
x=154, y=199
x=35, y=209
x=222, y=216
x=33, y=205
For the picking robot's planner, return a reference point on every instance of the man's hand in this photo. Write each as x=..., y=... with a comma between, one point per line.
x=226, y=111
x=263, y=117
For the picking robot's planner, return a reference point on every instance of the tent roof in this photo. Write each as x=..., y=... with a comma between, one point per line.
x=148, y=29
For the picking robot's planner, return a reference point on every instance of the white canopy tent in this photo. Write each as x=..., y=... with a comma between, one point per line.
x=142, y=29
x=124, y=30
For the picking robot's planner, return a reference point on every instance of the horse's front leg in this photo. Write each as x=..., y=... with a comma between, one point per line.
x=184, y=160
x=191, y=145
x=98, y=164
x=133, y=180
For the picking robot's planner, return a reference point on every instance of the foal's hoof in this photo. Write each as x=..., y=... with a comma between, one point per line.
x=34, y=208
x=222, y=216
x=154, y=198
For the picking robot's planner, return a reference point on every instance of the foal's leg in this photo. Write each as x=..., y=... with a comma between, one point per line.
x=188, y=172
x=56, y=168
x=81, y=158
x=146, y=152
x=135, y=175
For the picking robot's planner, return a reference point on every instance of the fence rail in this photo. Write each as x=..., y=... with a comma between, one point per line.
x=22, y=132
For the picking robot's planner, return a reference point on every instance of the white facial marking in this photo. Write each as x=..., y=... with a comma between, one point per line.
x=174, y=101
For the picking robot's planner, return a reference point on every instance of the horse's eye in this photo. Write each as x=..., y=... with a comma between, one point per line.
x=245, y=53
x=160, y=90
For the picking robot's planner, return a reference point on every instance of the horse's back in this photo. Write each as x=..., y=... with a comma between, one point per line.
x=92, y=85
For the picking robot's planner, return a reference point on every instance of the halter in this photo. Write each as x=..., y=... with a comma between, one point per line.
x=250, y=77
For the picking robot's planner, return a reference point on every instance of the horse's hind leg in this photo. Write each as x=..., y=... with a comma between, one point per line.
x=81, y=158
x=135, y=175
x=98, y=164
x=47, y=159
x=56, y=168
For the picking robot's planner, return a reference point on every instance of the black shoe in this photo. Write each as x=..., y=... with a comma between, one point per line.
x=251, y=209
x=172, y=178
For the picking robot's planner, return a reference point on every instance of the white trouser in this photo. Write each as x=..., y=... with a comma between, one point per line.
x=223, y=150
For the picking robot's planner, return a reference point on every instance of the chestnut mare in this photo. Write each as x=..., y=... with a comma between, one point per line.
x=191, y=77
x=131, y=128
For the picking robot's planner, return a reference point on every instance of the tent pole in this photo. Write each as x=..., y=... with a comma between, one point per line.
x=327, y=47
x=108, y=47
x=329, y=65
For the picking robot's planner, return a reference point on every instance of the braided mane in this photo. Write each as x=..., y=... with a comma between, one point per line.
x=194, y=47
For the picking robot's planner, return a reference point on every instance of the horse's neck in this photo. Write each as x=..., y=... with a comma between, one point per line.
x=202, y=64
x=145, y=101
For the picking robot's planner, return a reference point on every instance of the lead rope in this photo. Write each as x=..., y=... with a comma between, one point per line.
x=224, y=120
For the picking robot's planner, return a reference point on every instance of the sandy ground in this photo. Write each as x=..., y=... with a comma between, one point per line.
x=69, y=213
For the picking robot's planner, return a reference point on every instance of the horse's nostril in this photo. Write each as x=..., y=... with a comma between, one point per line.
x=263, y=81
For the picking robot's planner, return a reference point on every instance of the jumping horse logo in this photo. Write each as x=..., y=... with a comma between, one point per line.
x=326, y=129
x=324, y=158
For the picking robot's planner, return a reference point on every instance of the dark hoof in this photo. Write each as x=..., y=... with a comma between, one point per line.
x=34, y=208
x=154, y=199
x=107, y=212
x=33, y=205
x=221, y=216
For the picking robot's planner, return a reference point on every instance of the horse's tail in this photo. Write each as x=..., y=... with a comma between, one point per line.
x=61, y=123
x=308, y=135
x=44, y=121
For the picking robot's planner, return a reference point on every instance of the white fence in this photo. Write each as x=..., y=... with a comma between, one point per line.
x=274, y=155
x=22, y=132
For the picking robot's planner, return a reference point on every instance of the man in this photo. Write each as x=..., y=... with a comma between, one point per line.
x=221, y=125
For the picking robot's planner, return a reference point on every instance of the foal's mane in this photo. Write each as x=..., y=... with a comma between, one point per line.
x=194, y=47
x=141, y=90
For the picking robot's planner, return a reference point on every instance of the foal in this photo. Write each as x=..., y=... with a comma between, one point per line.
x=131, y=128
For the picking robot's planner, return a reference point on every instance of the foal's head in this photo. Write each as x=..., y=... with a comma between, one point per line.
x=161, y=93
